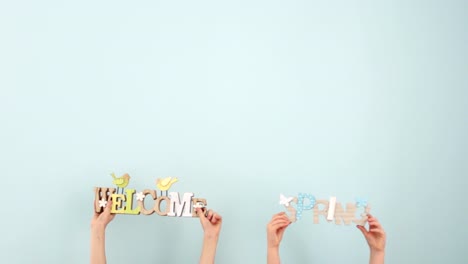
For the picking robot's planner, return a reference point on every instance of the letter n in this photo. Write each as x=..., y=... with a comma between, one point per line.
x=347, y=216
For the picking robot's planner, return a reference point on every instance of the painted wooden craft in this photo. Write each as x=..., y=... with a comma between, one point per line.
x=130, y=202
x=330, y=209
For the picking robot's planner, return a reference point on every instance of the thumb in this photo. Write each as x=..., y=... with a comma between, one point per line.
x=201, y=215
x=96, y=213
x=363, y=230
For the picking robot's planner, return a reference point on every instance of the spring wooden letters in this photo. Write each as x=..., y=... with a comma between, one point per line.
x=330, y=209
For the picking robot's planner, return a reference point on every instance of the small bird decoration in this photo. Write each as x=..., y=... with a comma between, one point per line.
x=165, y=184
x=121, y=182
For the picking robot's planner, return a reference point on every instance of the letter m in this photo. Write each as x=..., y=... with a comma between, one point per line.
x=180, y=208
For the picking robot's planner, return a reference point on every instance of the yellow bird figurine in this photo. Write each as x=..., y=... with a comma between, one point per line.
x=122, y=181
x=165, y=183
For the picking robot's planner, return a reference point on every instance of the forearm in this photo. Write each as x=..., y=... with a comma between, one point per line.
x=273, y=255
x=98, y=247
x=377, y=257
x=209, y=250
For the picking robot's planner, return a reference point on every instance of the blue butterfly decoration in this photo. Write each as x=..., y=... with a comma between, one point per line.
x=361, y=202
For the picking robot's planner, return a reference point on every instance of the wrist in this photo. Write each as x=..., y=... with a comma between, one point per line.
x=273, y=247
x=98, y=228
x=210, y=237
x=377, y=252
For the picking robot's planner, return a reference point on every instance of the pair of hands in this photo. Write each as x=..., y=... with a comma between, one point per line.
x=210, y=221
x=375, y=235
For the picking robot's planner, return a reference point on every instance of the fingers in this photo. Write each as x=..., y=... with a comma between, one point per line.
x=107, y=212
x=279, y=221
x=377, y=231
x=372, y=219
x=374, y=223
x=108, y=208
x=281, y=215
x=279, y=226
x=200, y=213
x=278, y=215
x=216, y=218
x=211, y=216
x=375, y=226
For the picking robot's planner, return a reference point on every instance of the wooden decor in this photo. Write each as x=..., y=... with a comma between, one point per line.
x=129, y=201
x=329, y=209
x=141, y=201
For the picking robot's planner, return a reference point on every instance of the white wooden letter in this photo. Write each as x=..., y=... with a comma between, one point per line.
x=180, y=208
x=331, y=208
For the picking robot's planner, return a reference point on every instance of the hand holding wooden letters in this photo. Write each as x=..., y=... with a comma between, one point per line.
x=123, y=203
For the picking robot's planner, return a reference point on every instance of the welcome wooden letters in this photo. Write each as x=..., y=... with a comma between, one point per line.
x=124, y=202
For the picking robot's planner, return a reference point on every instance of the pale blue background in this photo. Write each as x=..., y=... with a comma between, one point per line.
x=242, y=100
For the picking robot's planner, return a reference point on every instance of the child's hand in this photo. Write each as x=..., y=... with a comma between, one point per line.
x=375, y=236
x=211, y=222
x=275, y=229
x=103, y=219
x=98, y=234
